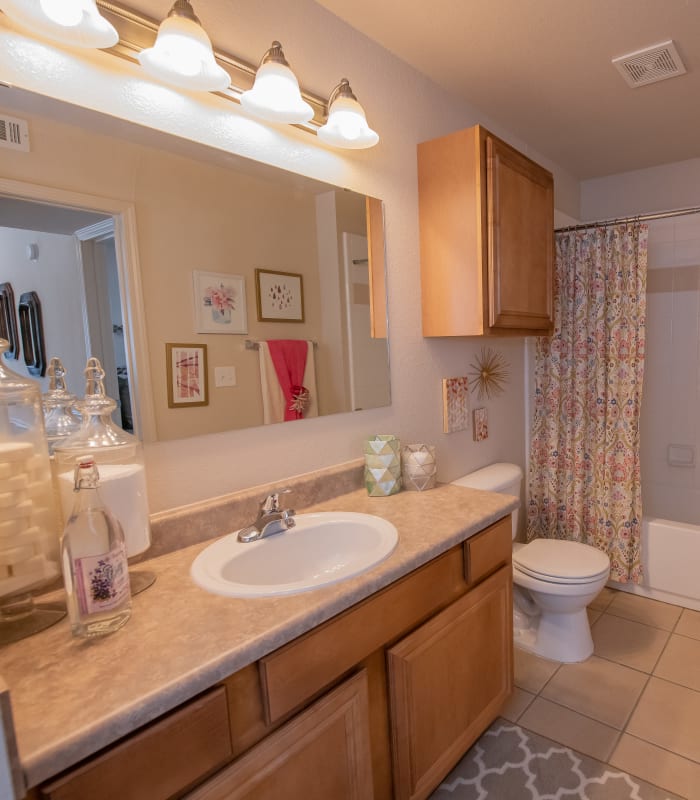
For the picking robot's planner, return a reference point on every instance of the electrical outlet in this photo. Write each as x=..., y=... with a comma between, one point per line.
x=224, y=376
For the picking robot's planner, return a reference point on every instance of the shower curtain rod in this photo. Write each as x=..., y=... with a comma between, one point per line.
x=679, y=212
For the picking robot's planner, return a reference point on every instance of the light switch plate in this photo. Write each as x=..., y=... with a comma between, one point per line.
x=224, y=376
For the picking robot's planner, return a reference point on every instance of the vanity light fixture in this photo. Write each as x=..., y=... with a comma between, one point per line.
x=275, y=95
x=182, y=54
x=347, y=125
x=179, y=52
x=72, y=22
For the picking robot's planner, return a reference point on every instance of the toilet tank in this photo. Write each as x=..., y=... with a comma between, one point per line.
x=501, y=477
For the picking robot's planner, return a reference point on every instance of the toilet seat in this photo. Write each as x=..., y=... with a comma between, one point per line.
x=560, y=561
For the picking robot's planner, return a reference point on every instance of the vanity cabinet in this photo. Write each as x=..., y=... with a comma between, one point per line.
x=486, y=237
x=321, y=753
x=448, y=680
x=379, y=702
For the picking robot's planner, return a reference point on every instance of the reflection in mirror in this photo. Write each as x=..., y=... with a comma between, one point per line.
x=196, y=210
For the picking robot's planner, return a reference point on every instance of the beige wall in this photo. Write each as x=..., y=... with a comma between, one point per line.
x=405, y=108
x=190, y=216
x=193, y=216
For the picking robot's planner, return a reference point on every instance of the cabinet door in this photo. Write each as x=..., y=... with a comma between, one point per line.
x=447, y=682
x=321, y=754
x=520, y=201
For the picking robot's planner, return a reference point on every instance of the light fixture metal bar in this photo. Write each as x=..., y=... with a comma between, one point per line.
x=137, y=32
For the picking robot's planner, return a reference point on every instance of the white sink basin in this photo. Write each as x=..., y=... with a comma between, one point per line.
x=322, y=548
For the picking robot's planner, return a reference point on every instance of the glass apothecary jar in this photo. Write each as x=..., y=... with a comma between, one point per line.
x=29, y=518
x=61, y=418
x=119, y=458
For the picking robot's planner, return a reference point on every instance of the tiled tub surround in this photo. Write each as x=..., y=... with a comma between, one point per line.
x=635, y=704
x=71, y=698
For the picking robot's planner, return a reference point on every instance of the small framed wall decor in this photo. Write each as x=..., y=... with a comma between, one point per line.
x=481, y=424
x=280, y=296
x=219, y=303
x=187, y=375
x=455, y=404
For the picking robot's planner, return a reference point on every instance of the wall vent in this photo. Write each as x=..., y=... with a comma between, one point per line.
x=652, y=64
x=14, y=133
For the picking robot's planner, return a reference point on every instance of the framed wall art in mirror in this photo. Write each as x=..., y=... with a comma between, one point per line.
x=8, y=321
x=187, y=375
x=280, y=296
x=219, y=302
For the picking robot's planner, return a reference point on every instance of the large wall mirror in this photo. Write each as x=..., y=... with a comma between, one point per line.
x=296, y=259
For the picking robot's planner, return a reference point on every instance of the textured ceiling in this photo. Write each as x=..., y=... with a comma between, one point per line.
x=542, y=69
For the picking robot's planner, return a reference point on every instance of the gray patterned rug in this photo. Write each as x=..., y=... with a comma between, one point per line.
x=510, y=763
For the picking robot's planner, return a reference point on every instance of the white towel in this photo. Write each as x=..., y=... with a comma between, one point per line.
x=272, y=395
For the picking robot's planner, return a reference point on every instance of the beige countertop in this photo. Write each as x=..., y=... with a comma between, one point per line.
x=71, y=698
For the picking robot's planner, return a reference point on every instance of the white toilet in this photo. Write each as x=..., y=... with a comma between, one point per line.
x=553, y=580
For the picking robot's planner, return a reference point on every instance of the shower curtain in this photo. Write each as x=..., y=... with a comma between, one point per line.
x=584, y=474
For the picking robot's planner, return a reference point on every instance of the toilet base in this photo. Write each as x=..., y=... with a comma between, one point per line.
x=558, y=637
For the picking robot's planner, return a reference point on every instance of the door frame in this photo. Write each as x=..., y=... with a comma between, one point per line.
x=130, y=289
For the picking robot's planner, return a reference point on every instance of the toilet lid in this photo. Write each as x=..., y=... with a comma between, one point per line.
x=561, y=561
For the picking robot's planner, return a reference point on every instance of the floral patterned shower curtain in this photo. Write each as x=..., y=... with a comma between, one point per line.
x=584, y=481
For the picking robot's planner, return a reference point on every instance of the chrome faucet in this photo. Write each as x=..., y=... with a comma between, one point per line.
x=271, y=519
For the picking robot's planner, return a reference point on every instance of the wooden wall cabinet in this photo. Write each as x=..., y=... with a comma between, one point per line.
x=377, y=703
x=486, y=237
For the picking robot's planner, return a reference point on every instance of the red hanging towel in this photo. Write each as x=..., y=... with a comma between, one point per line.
x=289, y=358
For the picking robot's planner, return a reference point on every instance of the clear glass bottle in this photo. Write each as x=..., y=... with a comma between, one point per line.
x=118, y=455
x=93, y=556
x=61, y=417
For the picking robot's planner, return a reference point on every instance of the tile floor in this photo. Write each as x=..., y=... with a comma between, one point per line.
x=635, y=704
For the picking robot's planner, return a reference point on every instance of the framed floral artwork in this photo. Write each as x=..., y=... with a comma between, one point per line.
x=187, y=375
x=481, y=424
x=219, y=303
x=455, y=404
x=280, y=296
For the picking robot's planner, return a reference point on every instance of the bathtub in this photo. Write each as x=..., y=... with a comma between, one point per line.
x=671, y=563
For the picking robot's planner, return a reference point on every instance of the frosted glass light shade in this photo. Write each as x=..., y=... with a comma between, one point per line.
x=73, y=22
x=347, y=125
x=275, y=95
x=182, y=56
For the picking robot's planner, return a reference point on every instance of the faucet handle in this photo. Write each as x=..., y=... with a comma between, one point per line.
x=271, y=503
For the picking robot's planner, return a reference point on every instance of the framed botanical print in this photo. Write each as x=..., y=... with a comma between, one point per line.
x=280, y=296
x=219, y=303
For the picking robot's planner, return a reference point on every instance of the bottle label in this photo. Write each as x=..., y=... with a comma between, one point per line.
x=102, y=582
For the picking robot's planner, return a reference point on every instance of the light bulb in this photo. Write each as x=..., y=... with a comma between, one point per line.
x=182, y=54
x=73, y=22
x=275, y=95
x=63, y=13
x=347, y=125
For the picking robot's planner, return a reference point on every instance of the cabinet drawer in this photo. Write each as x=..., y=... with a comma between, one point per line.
x=158, y=762
x=488, y=550
x=294, y=673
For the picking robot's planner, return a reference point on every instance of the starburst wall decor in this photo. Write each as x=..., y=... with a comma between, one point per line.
x=489, y=374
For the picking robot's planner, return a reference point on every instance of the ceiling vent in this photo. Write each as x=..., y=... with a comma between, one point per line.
x=652, y=64
x=14, y=133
